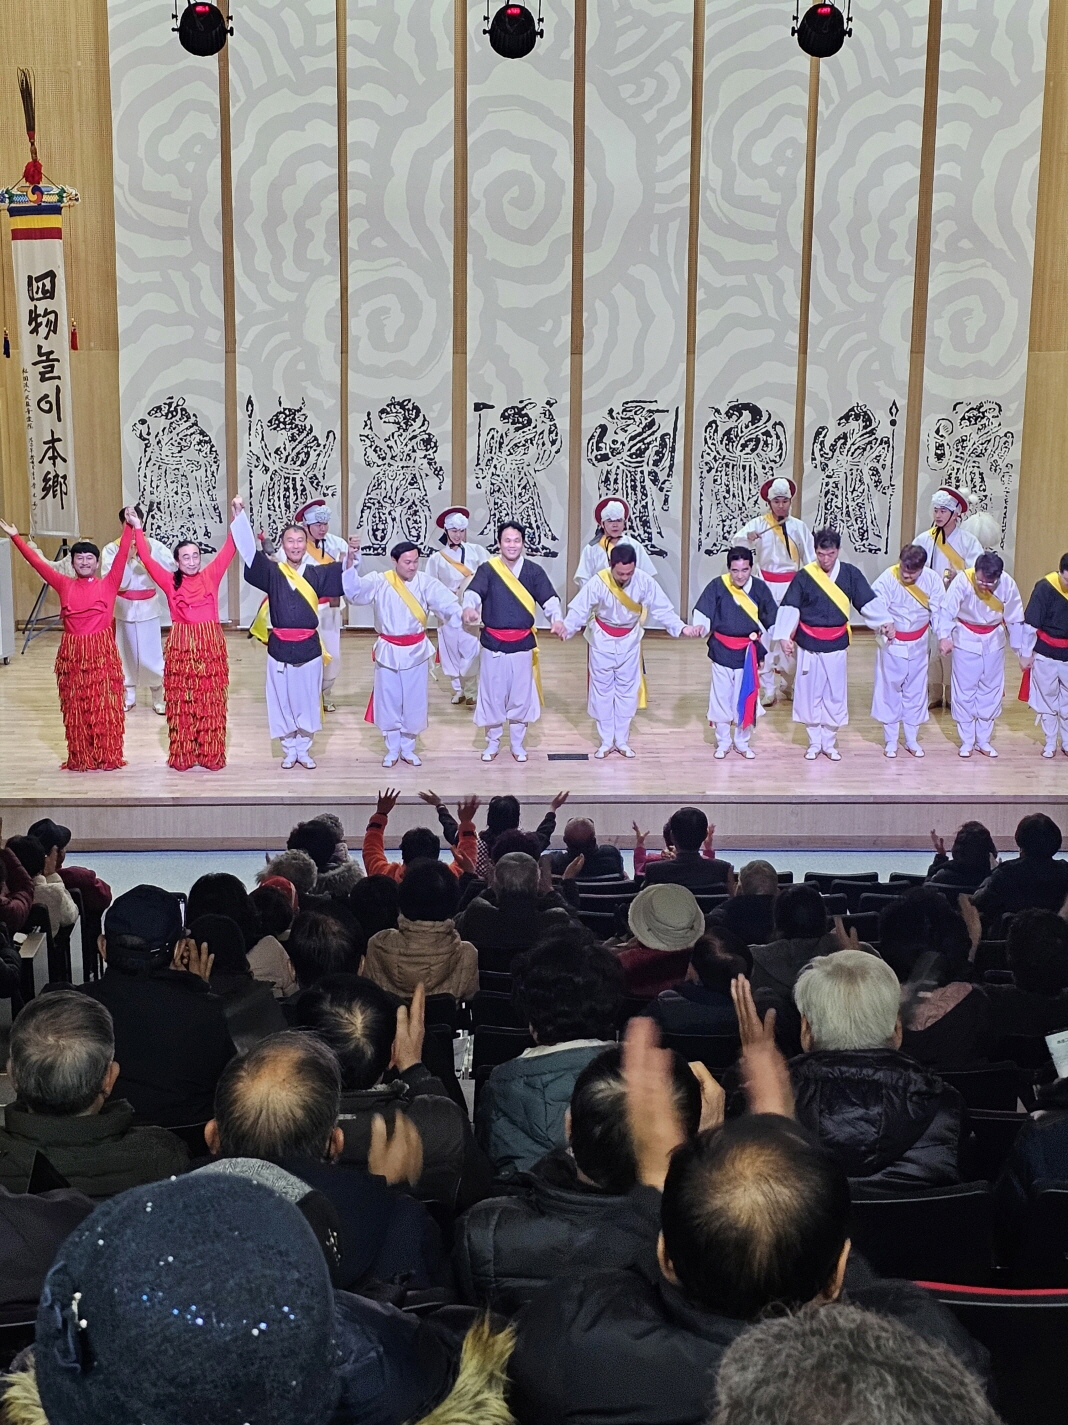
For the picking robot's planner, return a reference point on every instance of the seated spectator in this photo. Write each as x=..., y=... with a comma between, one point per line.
x=337, y=830
x=889, y=1122
x=750, y=912
x=320, y=944
x=16, y=891
x=702, y=1003
x=426, y=948
x=665, y=924
x=371, y=1034
x=250, y=1008
x=373, y=901
x=48, y=888
x=10, y=971
x=417, y=844
x=571, y=1213
x=580, y=839
x=1036, y=880
x=171, y=1036
x=643, y=858
x=268, y=959
x=502, y=814
x=835, y=1363
x=971, y=858
x=318, y=837
x=1037, y=1003
x=570, y=992
x=95, y=893
x=33, y=1225
x=296, y=867
x=219, y=893
x=62, y=1069
x=689, y=827
x=281, y=1102
x=509, y=916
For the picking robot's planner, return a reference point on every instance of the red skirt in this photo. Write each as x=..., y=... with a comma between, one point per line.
x=92, y=699
x=196, y=675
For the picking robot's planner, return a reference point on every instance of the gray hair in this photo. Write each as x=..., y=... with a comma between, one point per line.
x=297, y=867
x=62, y=1045
x=516, y=872
x=851, y=1000
x=838, y=1365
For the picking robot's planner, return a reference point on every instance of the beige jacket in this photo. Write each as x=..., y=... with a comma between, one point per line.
x=427, y=951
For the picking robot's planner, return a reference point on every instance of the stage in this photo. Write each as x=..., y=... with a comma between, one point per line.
x=777, y=800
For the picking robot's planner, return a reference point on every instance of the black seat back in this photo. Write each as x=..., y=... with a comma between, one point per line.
x=1041, y=1257
x=495, y=1010
x=987, y=1086
x=715, y=1051
x=496, y=1044
x=822, y=879
x=941, y=1234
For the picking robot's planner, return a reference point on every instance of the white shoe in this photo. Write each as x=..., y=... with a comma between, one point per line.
x=131, y=700
x=490, y=753
x=767, y=700
x=602, y=752
x=306, y=760
x=328, y=704
x=746, y=752
x=458, y=697
x=412, y=761
x=721, y=752
x=1050, y=750
x=964, y=751
x=988, y=751
x=470, y=699
x=389, y=760
x=812, y=754
x=289, y=760
x=914, y=749
x=832, y=754
x=520, y=756
x=625, y=751
x=890, y=750
x=160, y=708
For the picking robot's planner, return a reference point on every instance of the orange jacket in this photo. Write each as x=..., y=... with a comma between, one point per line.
x=375, y=862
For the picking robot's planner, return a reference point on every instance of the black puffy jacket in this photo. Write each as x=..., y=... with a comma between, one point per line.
x=889, y=1121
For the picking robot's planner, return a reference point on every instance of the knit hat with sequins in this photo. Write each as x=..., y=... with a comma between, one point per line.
x=197, y=1298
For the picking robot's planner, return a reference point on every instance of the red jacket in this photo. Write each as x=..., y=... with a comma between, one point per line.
x=16, y=894
x=95, y=893
x=647, y=972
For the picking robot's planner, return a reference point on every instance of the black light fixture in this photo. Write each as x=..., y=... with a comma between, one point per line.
x=823, y=29
x=513, y=31
x=203, y=28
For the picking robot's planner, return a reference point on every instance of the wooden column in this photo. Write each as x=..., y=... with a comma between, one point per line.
x=807, y=223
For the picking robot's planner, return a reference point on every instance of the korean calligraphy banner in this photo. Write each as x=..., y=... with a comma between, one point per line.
x=41, y=322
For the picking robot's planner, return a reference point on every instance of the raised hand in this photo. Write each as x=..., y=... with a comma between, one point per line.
x=431, y=798
x=574, y=868
x=9, y=529
x=558, y=801
x=465, y=810
x=639, y=836
x=387, y=800
x=411, y=1030
x=656, y=1129
x=713, y=1099
x=938, y=844
x=765, y=1075
x=850, y=941
x=237, y=507
x=131, y=517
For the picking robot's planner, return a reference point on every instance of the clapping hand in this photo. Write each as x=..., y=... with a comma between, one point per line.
x=938, y=844
x=656, y=1129
x=765, y=1075
x=846, y=941
x=574, y=868
x=465, y=810
x=189, y=956
x=397, y=1158
x=410, y=1033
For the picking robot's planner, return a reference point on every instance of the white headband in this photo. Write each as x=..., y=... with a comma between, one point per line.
x=613, y=511
x=942, y=500
x=455, y=521
x=778, y=488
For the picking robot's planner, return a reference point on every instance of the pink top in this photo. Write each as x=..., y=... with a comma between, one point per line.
x=196, y=600
x=86, y=605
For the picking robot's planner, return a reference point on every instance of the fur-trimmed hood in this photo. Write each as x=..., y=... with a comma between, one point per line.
x=337, y=881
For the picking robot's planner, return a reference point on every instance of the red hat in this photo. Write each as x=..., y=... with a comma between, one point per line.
x=318, y=511
x=452, y=510
x=765, y=489
x=598, y=509
x=288, y=889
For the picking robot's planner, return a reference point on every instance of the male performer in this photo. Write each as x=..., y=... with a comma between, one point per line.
x=981, y=606
x=507, y=590
x=736, y=611
x=613, y=607
x=912, y=594
x=453, y=565
x=139, y=610
x=402, y=599
x=782, y=544
x=325, y=548
x=294, y=651
x=611, y=517
x=1045, y=646
x=950, y=550
x=815, y=608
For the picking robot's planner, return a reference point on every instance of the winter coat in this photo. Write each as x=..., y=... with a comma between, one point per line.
x=776, y=967
x=430, y=952
x=32, y=1226
x=337, y=881
x=689, y=868
x=1029, y=882
x=949, y=1027
x=647, y=971
x=252, y=1012
x=513, y=923
x=692, y=1009
x=520, y=1112
x=890, y=1123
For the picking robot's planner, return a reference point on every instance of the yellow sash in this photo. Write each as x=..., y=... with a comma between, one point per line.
x=1055, y=580
x=258, y=628
x=526, y=598
x=742, y=599
x=990, y=600
x=460, y=568
x=634, y=607
x=837, y=596
x=913, y=589
x=320, y=558
x=400, y=588
x=941, y=542
x=780, y=529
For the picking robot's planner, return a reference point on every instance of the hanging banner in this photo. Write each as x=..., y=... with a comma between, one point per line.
x=42, y=326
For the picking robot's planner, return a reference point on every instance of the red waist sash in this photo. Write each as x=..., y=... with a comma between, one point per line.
x=403, y=640
x=1053, y=642
x=294, y=635
x=735, y=642
x=902, y=637
x=978, y=627
x=510, y=635
x=137, y=593
x=778, y=576
x=825, y=635
x=614, y=630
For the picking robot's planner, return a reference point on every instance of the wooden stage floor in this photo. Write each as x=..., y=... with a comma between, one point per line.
x=777, y=800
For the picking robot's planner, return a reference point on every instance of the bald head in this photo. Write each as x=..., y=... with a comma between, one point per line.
x=280, y=1100
x=580, y=834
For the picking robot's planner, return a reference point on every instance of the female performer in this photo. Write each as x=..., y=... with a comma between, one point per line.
x=195, y=669
x=88, y=669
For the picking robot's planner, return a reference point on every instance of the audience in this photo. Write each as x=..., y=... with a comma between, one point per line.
x=1036, y=880
x=665, y=924
x=219, y=893
x=296, y=867
x=336, y=874
x=425, y=948
x=250, y=1007
x=374, y=903
x=62, y=1069
x=971, y=858
x=570, y=993
x=48, y=888
x=1036, y=1003
x=502, y=814
x=319, y=944
x=418, y=844
x=509, y=916
x=702, y=1003
x=95, y=893
x=689, y=827
x=643, y=858
x=16, y=891
x=267, y=959
x=750, y=912
x=580, y=839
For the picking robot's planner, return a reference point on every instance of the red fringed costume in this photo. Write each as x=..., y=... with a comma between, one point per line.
x=195, y=669
x=88, y=669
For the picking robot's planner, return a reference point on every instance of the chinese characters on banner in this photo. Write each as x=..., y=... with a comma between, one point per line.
x=41, y=321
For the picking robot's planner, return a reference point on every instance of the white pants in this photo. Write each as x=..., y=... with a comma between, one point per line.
x=940, y=677
x=615, y=676
x=330, y=624
x=141, y=651
x=821, y=695
x=508, y=693
x=458, y=651
x=294, y=702
x=723, y=706
x=776, y=661
x=401, y=706
x=1049, y=698
x=900, y=691
x=977, y=692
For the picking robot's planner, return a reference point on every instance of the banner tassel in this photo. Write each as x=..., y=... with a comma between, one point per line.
x=74, y=336
x=7, y=344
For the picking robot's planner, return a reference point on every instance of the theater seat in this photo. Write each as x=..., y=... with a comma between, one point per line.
x=986, y=1086
x=942, y=1234
x=822, y=879
x=715, y=1051
x=1041, y=1257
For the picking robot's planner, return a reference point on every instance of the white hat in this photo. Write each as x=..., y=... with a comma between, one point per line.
x=947, y=499
x=985, y=529
x=315, y=512
x=613, y=510
x=781, y=488
x=456, y=520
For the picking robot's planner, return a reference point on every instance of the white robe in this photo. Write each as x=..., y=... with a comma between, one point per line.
x=978, y=687
x=940, y=671
x=139, y=621
x=457, y=649
x=593, y=559
x=899, y=694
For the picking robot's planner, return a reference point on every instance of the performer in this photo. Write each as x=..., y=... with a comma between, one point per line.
x=402, y=598
x=612, y=516
x=294, y=651
x=196, y=672
x=453, y=565
x=1045, y=649
x=736, y=611
x=324, y=548
x=950, y=550
x=912, y=594
x=815, y=608
x=613, y=607
x=507, y=589
x=782, y=545
x=88, y=668
x=980, y=608
x=139, y=613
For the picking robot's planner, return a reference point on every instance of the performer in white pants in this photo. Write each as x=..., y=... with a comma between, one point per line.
x=402, y=598
x=612, y=608
x=981, y=608
x=781, y=545
x=950, y=549
x=736, y=612
x=1045, y=649
x=611, y=517
x=325, y=548
x=912, y=595
x=454, y=565
x=139, y=613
